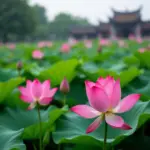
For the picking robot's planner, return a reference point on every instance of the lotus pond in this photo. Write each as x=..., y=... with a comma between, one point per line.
x=60, y=128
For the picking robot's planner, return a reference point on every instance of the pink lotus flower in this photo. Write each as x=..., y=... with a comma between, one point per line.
x=104, y=97
x=104, y=42
x=36, y=92
x=45, y=44
x=11, y=46
x=114, y=38
x=139, y=40
x=131, y=37
x=65, y=48
x=142, y=50
x=88, y=43
x=37, y=54
x=121, y=43
x=72, y=41
x=41, y=44
x=49, y=44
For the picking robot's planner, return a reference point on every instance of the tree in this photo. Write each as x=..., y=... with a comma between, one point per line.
x=41, y=31
x=16, y=19
x=62, y=22
x=40, y=13
x=81, y=21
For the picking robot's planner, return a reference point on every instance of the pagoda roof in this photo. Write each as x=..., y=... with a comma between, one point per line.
x=126, y=16
x=83, y=29
x=137, y=11
x=104, y=26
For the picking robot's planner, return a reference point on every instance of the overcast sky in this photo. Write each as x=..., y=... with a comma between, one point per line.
x=94, y=10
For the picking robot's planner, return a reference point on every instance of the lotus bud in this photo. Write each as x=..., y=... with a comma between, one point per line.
x=64, y=86
x=99, y=50
x=19, y=65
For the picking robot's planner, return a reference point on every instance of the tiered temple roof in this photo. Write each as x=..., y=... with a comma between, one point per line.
x=103, y=26
x=126, y=16
x=123, y=23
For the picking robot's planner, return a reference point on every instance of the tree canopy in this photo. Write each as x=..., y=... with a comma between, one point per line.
x=62, y=22
x=40, y=14
x=16, y=19
x=19, y=20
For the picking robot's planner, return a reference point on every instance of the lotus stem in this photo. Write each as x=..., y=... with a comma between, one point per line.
x=64, y=100
x=19, y=73
x=59, y=147
x=34, y=147
x=40, y=124
x=105, y=136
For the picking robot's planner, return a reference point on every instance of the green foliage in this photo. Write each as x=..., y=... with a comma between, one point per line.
x=62, y=22
x=131, y=60
x=16, y=26
x=42, y=30
x=14, y=19
x=15, y=124
x=144, y=58
x=19, y=127
x=10, y=139
x=126, y=76
x=71, y=128
x=58, y=71
x=40, y=14
x=8, y=86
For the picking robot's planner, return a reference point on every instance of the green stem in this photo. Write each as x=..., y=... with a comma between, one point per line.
x=105, y=137
x=143, y=130
x=19, y=73
x=64, y=100
x=59, y=147
x=40, y=123
x=34, y=147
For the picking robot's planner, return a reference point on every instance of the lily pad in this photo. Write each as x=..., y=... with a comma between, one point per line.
x=71, y=128
x=58, y=71
x=20, y=124
x=8, y=86
x=10, y=139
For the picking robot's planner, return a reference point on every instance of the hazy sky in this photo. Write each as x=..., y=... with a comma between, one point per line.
x=94, y=10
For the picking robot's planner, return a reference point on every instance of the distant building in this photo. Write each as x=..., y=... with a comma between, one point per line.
x=122, y=24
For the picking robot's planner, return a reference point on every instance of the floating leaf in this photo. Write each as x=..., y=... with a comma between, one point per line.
x=71, y=128
x=144, y=58
x=10, y=139
x=60, y=70
x=25, y=124
x=8, y=86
